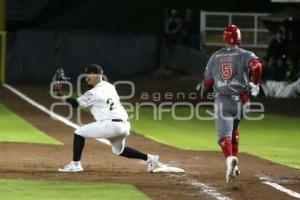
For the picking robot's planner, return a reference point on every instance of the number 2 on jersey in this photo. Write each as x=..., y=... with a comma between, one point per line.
x=110, y=103
x=226, y=70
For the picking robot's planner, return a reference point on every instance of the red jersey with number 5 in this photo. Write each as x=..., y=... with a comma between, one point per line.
x=229, y=70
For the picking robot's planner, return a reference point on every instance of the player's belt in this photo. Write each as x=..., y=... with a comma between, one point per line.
x=233, y=97
x=119, y=120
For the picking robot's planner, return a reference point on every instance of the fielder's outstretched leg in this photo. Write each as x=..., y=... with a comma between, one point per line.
x=78, y=145
x=132, y=153
x=152, y=160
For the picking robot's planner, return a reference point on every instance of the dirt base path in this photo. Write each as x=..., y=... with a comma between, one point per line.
x=40, y=162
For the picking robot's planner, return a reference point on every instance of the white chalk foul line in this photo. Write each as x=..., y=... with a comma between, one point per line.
x=204, y=188
x=208, y=190
x=268, y=181
x=46, y=110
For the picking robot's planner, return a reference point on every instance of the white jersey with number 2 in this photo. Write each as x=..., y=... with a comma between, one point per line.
x=103, y=102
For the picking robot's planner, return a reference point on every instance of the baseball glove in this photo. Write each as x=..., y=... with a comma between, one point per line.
x=57, y=80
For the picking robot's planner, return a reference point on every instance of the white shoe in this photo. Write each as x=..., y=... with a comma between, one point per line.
x=237, y=171
x=152, y=161
x=231, y=163
x=72, y=167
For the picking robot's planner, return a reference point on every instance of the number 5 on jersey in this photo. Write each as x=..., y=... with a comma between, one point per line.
x=110, y=103
x=226, y=71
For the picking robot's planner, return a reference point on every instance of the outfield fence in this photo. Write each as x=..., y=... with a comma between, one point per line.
x=255, y=34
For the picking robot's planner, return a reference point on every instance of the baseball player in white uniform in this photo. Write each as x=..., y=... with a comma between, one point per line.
x=111, y=121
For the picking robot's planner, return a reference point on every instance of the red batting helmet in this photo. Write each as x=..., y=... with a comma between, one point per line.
x=232, y=34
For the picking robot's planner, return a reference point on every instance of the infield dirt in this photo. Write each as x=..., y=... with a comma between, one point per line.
x=40, y=162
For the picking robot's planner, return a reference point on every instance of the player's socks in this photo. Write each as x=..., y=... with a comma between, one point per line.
x=235, y=143
x=132, y=153
x=78, y=145
x=226, y=146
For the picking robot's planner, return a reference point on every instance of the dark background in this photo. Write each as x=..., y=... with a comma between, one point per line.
x=125, y=37
x=116, y=15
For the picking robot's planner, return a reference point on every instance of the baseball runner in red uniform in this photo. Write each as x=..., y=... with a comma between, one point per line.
x=232, y=72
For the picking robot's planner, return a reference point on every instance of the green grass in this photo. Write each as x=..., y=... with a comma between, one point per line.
x=48, y=190
x=275, y=138
x=15, y=129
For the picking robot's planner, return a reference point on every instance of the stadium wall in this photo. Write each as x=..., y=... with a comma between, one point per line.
x=33, y=56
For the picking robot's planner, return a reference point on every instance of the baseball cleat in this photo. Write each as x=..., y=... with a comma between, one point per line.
x=231, y=163
x=72, y=167
x=152, y=162
x=237, y=171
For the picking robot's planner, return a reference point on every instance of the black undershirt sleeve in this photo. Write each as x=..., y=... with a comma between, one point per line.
x=73, y=102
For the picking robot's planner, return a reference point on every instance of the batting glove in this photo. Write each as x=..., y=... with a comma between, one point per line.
x=254, y=89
